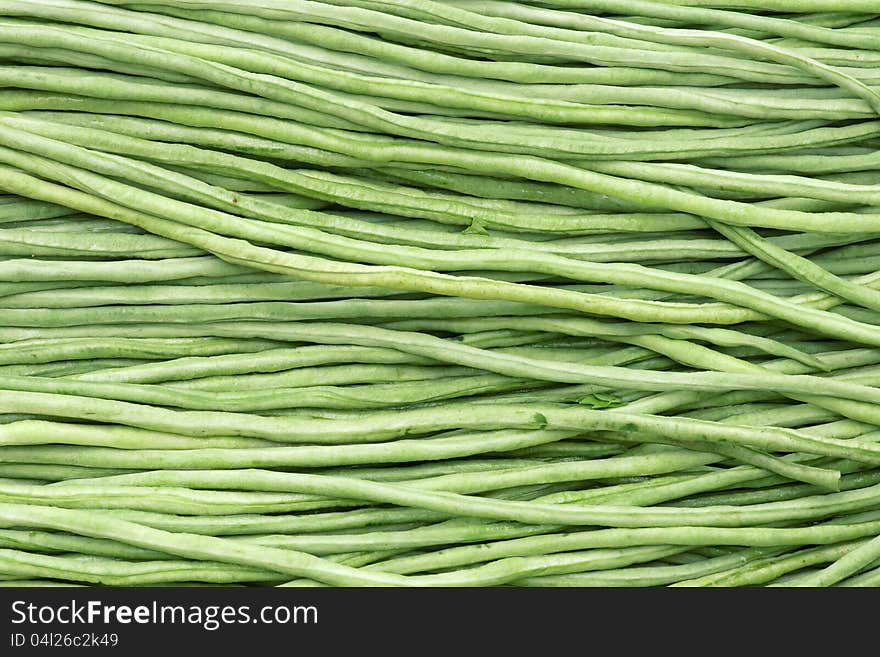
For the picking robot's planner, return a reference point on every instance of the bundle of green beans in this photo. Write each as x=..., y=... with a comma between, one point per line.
x=440, y=292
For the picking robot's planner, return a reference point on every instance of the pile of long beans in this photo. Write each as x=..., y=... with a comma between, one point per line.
x=440, y=292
